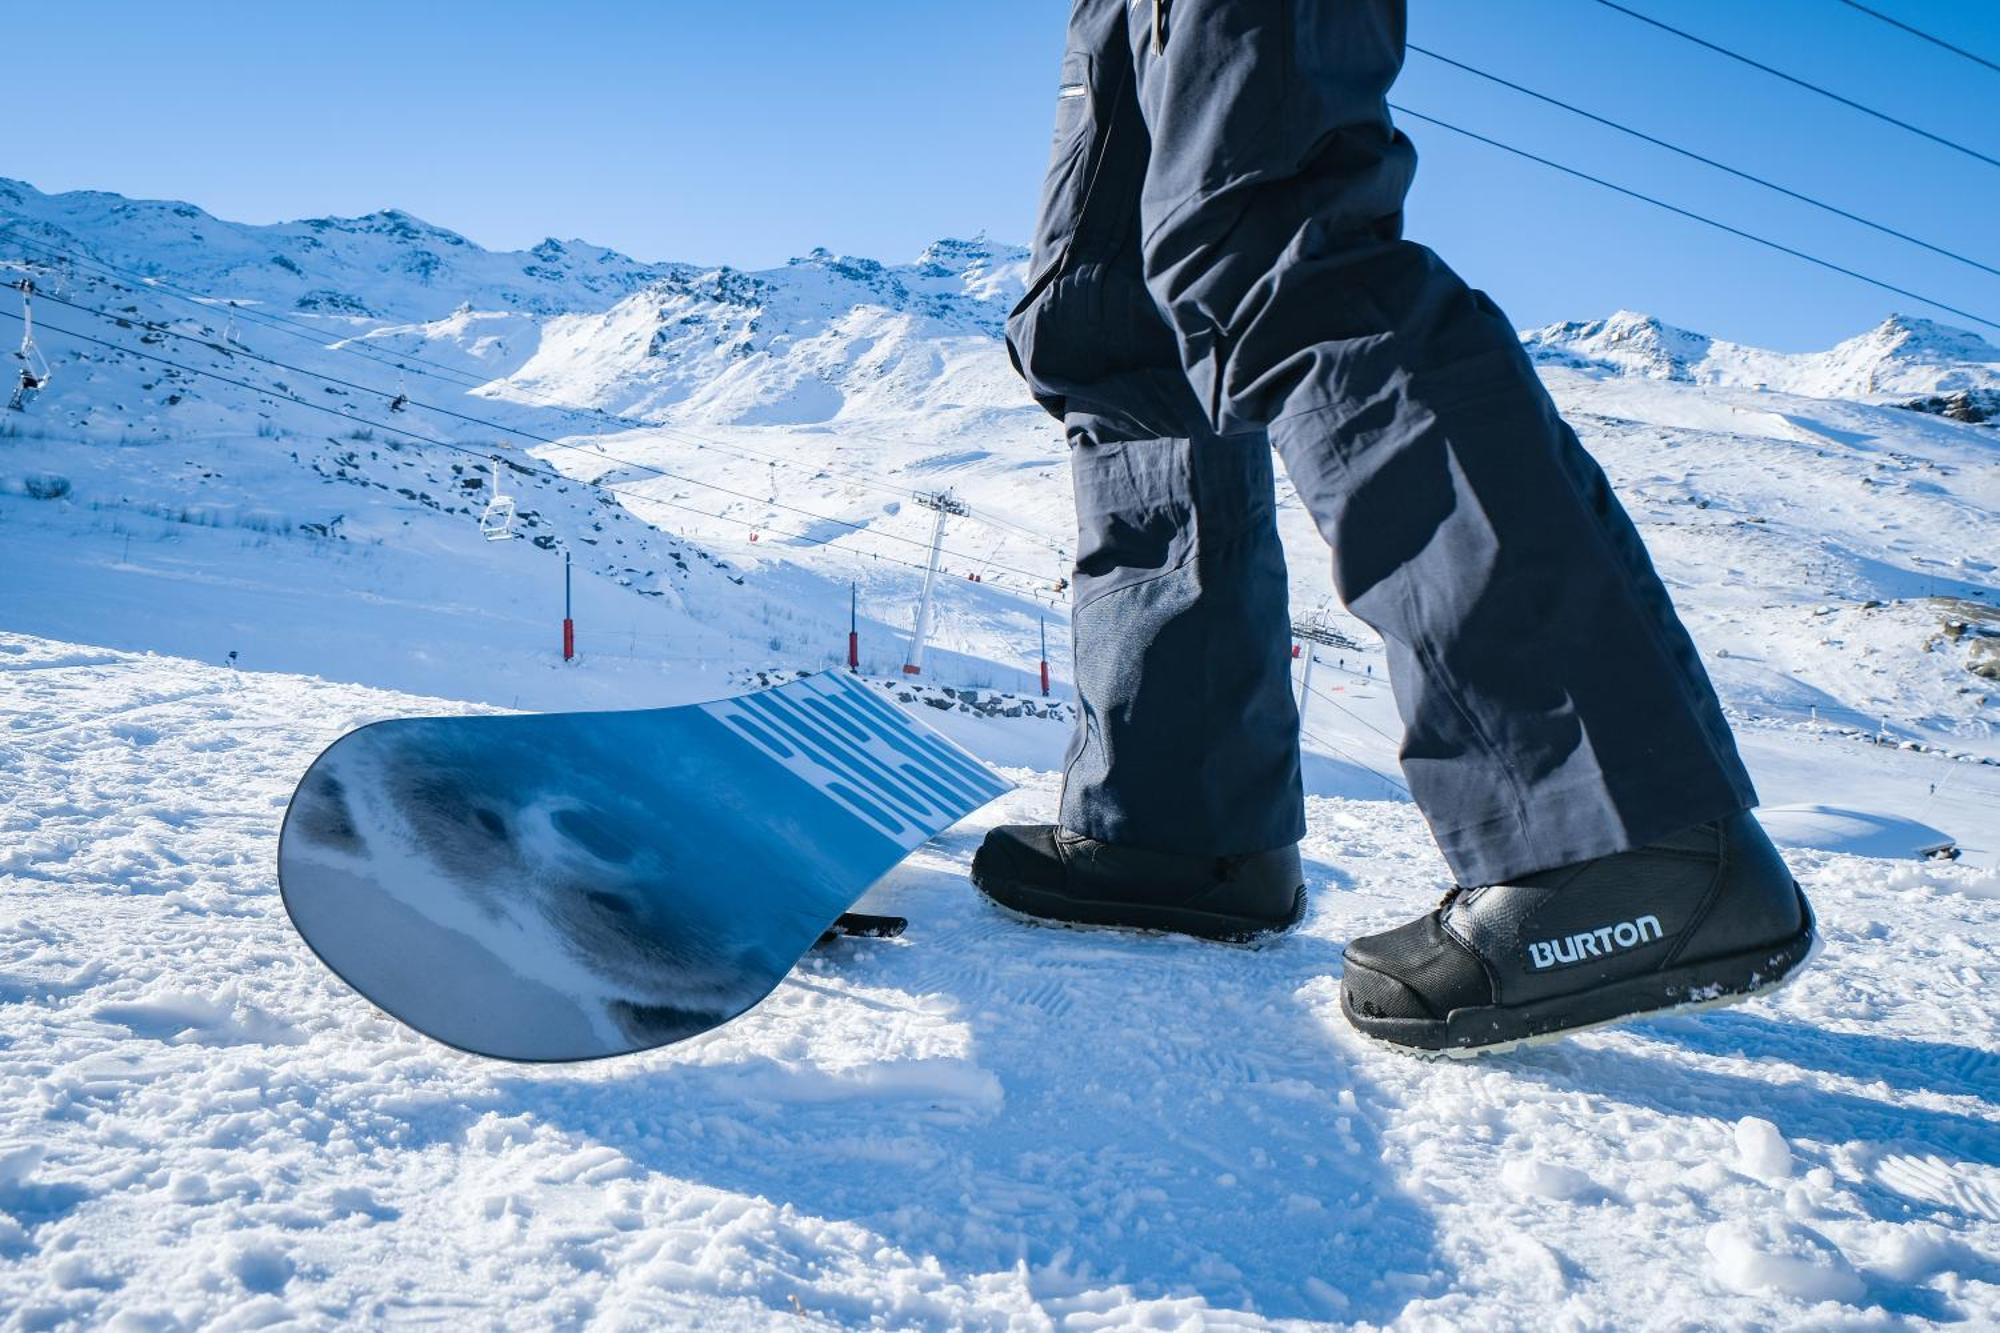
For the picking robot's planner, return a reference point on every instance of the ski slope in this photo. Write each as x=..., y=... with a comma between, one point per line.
x=983, y=1124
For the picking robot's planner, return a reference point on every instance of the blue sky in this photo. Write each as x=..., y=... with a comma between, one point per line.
x=749, y=131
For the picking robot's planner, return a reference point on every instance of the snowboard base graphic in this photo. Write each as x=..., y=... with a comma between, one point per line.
x=574, y=885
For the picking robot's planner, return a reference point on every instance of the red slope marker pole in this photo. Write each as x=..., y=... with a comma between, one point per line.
x=569, y=625
x=1045, y=657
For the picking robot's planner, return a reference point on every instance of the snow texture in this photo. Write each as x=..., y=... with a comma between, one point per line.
x=983, y=1124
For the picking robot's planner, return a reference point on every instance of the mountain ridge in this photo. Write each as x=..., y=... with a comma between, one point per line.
x=1901, y=356
x=821, y=337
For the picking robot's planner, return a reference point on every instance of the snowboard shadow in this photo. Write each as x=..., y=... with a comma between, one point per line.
x=1087, y=1110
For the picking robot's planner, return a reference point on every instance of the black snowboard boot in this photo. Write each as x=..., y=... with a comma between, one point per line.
x=1707, y=917
x=1039, y=870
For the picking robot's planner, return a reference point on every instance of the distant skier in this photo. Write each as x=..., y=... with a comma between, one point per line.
x=1219, y=269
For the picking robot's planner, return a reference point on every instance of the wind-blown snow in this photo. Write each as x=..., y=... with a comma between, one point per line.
x=983, y=1124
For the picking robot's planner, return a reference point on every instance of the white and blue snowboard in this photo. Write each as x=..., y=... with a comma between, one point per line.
x=573, y=885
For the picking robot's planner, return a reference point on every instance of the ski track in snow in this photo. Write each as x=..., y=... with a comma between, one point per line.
x=985, y=1124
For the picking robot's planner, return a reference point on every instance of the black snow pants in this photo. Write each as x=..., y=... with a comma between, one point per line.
x=1219, y=270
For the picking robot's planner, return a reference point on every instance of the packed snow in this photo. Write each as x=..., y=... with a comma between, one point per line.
x=983, y=1124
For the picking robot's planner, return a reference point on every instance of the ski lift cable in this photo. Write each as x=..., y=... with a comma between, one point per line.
x=161, y=286
x=981, y=516
x=557, y=443
x=356, y=418
x=466, y=379
x=1342, y=708
x=255, y=314
x=1934, y=40
x=1693, y=156
x=1795, y=80
x=1369, y=769
x=550, y=474
x=1694, y=216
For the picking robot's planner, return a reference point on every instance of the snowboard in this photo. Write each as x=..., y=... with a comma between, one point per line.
x=568, y=886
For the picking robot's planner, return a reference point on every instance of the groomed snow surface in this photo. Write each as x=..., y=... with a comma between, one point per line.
x=983, y=1124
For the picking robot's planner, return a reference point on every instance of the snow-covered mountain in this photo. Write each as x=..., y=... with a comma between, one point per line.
x=823, y=338
x=1898, y=359
x=230, y=533
x=386, y=265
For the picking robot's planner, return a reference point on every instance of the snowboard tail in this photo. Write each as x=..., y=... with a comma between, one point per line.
x=570, y=886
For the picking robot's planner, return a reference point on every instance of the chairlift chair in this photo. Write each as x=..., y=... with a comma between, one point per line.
x=34, y=374
x=496, y=522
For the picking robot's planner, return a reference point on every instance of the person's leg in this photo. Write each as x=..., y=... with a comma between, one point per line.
x=1554, y=707
x=1188, y=736
x=1561, y=736
x=1186, y=749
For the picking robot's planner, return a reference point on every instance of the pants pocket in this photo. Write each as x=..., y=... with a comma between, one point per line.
x=1134, y=513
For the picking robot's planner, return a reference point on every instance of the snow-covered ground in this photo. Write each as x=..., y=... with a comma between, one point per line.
x=983, y=1124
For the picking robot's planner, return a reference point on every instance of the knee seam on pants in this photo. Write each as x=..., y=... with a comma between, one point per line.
x=1194, y=552
x=1422, y=648
x=1082, y=718
x=1651, y=629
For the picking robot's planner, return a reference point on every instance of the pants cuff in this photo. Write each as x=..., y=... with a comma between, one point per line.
x=1565, y=826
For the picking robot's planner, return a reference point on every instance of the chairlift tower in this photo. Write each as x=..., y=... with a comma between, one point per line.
x=946, y=505
x=1311, y=632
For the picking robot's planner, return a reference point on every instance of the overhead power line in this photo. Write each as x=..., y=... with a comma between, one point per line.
x=1703, y=218
x=481, y=454
x=1795, y=80
x=1691, y=155
x=1933, y=39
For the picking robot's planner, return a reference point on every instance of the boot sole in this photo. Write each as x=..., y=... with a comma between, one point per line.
x=1050, y=909
x=1714, y=983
